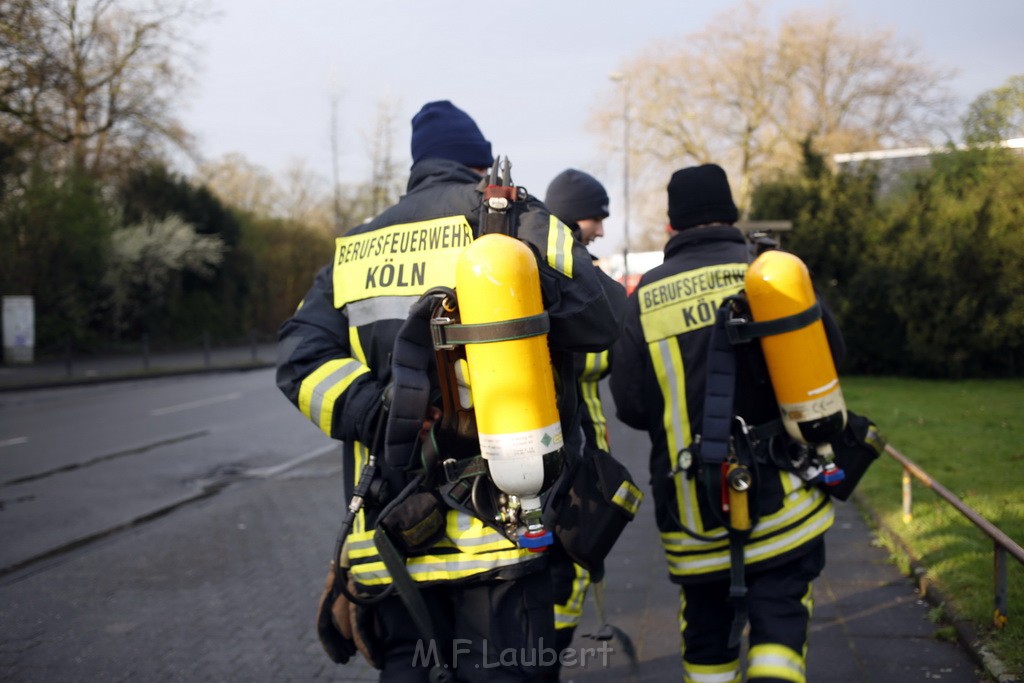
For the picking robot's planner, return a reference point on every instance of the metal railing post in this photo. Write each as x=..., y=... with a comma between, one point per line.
x=1003, y=543
x=1002, y=600
x=907, y=497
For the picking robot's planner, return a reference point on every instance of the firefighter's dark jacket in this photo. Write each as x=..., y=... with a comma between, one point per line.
x=333, y=353
x=658, y=383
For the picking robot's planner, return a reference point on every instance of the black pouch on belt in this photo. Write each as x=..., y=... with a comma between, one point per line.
x=601, y=500
x=857, y=447
x=417, y=523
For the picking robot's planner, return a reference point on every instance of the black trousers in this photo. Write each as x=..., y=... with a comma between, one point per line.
x=495, y=631
x=779, y=606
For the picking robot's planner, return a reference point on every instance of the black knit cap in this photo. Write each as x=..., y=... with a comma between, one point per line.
x=443, y=131
x=574, y=195
x=699, y=195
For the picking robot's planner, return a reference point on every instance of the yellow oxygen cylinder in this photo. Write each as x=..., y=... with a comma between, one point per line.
x=512, y=382
x=799, y=362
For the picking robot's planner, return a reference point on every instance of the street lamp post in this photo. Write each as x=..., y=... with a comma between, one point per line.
x=621, y=78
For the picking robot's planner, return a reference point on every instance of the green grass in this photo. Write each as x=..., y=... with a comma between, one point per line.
x=969, y=437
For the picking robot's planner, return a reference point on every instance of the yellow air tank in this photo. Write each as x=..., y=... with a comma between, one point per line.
x=513, y=385
x=799, y=362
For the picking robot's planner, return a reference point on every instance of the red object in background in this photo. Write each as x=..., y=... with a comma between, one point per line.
x=629, y=281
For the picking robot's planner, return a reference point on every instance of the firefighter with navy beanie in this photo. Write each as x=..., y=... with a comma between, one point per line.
x=481, y=595
x=658, y=383
x=581, y=202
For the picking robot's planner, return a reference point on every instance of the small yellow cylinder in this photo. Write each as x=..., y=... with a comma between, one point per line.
x=739, y=507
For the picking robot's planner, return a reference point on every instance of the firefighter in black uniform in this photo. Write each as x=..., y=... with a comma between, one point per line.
x=490, y=600
x=581, y=201
x=658, y=383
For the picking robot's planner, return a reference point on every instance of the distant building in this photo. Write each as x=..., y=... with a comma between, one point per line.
x=893, y=164
x=642, y=261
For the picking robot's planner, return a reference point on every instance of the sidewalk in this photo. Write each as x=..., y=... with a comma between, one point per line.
x=90, y=369
x=869, y=623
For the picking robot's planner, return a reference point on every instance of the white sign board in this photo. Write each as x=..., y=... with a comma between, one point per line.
x=19, y=329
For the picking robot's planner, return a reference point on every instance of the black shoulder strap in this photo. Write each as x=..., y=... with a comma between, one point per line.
x=720, y=393
x=410, y=363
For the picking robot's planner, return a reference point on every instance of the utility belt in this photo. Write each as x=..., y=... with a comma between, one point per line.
x=769, y=445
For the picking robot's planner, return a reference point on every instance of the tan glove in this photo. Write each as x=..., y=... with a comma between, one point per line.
x=334, y=621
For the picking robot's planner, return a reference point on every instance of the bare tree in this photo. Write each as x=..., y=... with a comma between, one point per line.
x=241, y=184
x=91, y=82
x=384, y=187
x=746, y=96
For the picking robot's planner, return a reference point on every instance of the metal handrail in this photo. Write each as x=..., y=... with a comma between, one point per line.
x=1003, y=544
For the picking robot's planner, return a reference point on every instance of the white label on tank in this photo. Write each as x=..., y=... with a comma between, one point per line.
x=528, y=444
x=815, y=409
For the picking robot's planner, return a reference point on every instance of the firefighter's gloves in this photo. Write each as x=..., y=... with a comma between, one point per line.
x=334, y=621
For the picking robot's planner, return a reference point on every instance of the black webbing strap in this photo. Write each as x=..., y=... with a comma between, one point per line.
x=446, y=336
x=737, y=588
x=466, y=468
x=410, y=360
x=409, y=592
x=741, y=331
x=719, y=394
x=719, y=398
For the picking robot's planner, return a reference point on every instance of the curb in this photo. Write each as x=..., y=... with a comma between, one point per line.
x=55, y=382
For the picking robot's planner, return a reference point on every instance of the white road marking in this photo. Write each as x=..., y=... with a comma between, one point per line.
x=202, y=403
x=295, y=462
x=14, y=442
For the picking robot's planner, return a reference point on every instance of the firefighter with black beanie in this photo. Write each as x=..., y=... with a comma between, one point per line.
x=658, y=383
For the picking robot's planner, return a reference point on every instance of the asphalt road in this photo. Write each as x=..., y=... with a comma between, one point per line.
x=179, y=529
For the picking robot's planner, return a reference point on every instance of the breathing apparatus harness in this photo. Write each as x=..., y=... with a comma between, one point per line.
x=435, y=464
x=727, y=446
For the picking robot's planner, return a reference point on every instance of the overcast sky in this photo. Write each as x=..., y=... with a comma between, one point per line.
x=527, y=71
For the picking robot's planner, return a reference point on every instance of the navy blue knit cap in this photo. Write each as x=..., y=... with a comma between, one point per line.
x=574, y=196
x=443, y=131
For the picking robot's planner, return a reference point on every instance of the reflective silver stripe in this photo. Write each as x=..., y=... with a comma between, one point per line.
x=628, y=497
x=775, y=661
x=379, y=308
x=323, y=387
x=421, y=569
x=711, y=677
x=719, y=559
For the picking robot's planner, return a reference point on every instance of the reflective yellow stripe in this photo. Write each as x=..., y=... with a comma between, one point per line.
x=594, y=366
x=568, y=615
x=628, y=497
x=360, y=455
x=470, y=535
x=471, y=548
x=711, y=560
x=775, y=661
x=560, y=243
x=592, y=402
x=712, y=673
x=356, y=345
x=671, y=375
x=319, y=391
